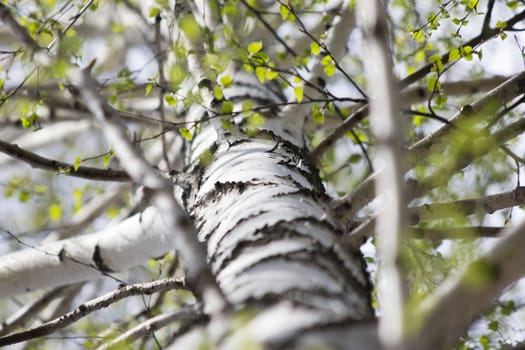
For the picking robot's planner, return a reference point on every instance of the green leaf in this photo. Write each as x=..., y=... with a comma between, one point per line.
x=226, y=80
x=217, y=92
x=355, y=158
x=23, y=196
x=170, y=100
x=493, y=326
x=454, y=55
x=227, y=107
x=433, y=83
x=466, y=51
x=508, y=308
x=472, y=3
x=255, y=47
x=501, y=25
x=271, y=74
x=283, y=9
x=256, y=119
x=153, y=11
x=260, y=72
x=26, y=122
x=190, y=27
x=186, y=133
x=76, y=164
x=438, y=64
x=298, y=91
x=107, y=158
x=149, y=87
x=329, y=70
x=318, y=116
x=418, y=35
x=315, y=49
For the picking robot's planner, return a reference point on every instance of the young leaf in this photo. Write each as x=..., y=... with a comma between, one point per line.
x=227, y=107
x=255, y=47
x=298, y=91
x=315, y=49
x=226, y=80
x=170, y=100
x=148, y=89
x=284, y=11
x=186, y=134
x=76, y=164
x=454, y=55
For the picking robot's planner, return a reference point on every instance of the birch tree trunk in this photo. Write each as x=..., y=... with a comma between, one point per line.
x=272, y=240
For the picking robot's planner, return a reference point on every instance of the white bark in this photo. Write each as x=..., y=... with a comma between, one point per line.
x=118, y=248
x=271, y=237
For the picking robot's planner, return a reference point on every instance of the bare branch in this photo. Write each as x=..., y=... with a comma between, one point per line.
x=91, y=306
x=367, y=229
x=480, y=205
x=40, y=162
x=186, y=313
x=453, y=88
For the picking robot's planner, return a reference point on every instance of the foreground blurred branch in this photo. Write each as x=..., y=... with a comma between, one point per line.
x=384, y=121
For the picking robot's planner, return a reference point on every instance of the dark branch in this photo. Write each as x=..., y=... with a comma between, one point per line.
x=36, y=161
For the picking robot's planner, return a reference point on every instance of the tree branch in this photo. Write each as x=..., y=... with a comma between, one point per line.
x=385, y=125
x=186, y=313
x=91, y=306
x=480, y=205
x=485, y=35
x=457, y=302
x=84, y=172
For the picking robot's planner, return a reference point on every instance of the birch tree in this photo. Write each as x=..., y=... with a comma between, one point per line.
x=246, y=174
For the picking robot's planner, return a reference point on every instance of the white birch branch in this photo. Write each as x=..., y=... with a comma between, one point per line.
x=384, y=121
x=130, y=243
